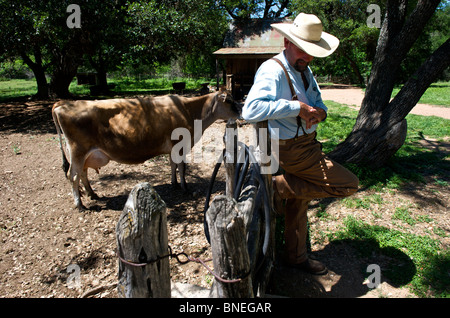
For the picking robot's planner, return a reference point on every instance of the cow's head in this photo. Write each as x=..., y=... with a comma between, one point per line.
x=225, y=107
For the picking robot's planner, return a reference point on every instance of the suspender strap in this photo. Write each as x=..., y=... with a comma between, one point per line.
x=294, y=96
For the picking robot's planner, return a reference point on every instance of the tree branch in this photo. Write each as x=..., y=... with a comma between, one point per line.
x=416, y=86
x=394, y=43
x=269, y=5
x=414, y=26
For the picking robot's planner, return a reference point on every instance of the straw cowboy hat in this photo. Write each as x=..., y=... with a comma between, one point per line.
x=307, y=34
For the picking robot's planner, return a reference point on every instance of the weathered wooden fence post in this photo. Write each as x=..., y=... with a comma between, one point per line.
x=142, y=240
x=229, y=249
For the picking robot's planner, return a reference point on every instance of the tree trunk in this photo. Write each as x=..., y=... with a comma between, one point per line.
x=66, y=61
x=102, y=81
x=62, y=77
x=42, y=84
x=38, y=71
x=380, y=128
x=101, y=69
x=372, y=147
x=419, y=82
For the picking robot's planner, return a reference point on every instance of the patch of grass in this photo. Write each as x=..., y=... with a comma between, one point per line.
x=412, y=260
x=128, y=85
x=363, y=203
x=420, y=127
x=16, y=149
x=76, y=89
x=17, y=88
x=437, y=94
x=404, y=214
x=439, y=231
x=356, y=203
x=441, y=183
x=322, y=211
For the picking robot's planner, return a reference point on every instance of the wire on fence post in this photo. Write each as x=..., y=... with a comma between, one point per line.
x=188, y=259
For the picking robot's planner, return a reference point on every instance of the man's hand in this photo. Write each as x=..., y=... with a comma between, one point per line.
x=311, y=115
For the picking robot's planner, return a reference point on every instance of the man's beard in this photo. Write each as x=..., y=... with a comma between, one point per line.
x=301, y=65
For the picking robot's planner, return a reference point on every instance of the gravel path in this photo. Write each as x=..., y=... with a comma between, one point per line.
x=354, y=96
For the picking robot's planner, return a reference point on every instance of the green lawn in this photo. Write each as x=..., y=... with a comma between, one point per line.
x=17, y=88
x=436, y=94
x=20, y=88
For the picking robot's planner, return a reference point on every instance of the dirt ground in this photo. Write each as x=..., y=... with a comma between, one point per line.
x=45, y=241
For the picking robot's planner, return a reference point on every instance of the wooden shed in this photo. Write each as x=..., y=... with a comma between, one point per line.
x=245, y=49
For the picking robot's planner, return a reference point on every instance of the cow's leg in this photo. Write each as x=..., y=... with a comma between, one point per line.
x=75, y=181
x=182, y=170
x=74, y=175
x=173, y=169
x=87, y=185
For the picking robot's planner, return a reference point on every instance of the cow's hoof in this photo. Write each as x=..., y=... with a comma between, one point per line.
x=81, y=208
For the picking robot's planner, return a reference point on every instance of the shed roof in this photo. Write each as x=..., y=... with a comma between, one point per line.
x=255, y=38
x=238, y=51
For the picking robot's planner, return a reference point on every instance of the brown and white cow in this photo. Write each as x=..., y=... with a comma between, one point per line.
x=130, y=131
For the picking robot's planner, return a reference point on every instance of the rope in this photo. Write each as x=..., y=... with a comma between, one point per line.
x=188, y=259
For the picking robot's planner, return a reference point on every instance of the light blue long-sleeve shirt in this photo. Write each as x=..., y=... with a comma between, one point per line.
x=270, y=98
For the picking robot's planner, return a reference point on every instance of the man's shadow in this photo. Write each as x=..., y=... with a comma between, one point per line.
x=348, y=271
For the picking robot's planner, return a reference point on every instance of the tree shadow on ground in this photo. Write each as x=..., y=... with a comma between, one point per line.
x=27, y=117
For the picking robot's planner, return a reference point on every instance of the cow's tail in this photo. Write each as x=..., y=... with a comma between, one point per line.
x=65, y=164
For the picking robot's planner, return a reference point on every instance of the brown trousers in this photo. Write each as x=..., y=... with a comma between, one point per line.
x=309, y=174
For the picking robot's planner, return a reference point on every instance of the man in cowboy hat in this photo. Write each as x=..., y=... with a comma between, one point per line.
x=286, y=94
